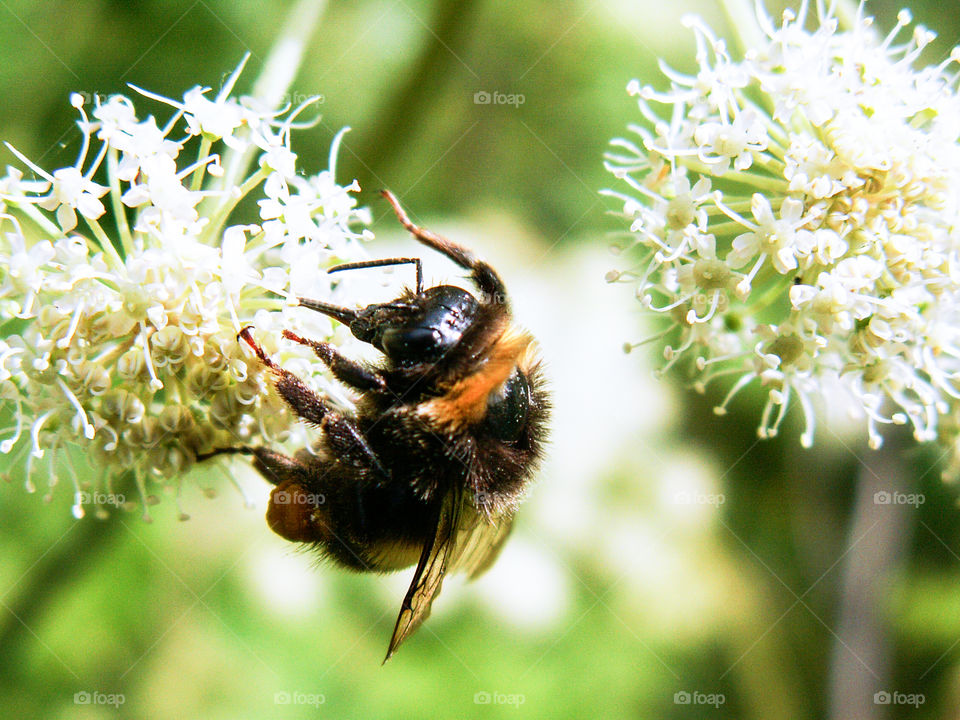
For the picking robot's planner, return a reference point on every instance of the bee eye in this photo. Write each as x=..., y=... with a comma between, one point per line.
x=412, y=344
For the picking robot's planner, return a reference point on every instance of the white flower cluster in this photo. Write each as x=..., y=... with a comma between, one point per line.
x=123, y=341
x=797, y=214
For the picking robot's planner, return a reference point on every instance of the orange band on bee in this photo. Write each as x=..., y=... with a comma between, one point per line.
x=465, y=402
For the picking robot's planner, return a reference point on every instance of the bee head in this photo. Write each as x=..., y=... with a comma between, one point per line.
x=415, y=329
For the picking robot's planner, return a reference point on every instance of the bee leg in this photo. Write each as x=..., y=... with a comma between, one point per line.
x=295, y=512
x=343, y=368
x=276, y=468
x=242, y=450
x=302, y=400
x=347, y=442
x=483, y=275
x=343, y=435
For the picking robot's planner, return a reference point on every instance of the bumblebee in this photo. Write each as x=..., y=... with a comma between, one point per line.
x=447, y=432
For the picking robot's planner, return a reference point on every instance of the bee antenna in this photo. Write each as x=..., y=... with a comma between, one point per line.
x=483, y=275
x=383, y=263
x=344, y=315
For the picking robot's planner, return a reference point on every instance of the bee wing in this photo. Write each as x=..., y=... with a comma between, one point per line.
x=479, y=541
x=435, y=560
x=465, y=540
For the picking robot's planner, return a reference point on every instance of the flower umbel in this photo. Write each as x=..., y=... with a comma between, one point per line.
x=122, y=339
x=796, y=215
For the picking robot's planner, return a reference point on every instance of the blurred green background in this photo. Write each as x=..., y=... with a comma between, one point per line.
x=663, y=551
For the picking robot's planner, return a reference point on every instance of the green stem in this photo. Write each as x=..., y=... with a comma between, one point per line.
x=197, y=181
x=742, y=18
x=115, y=352
x=745, y=177
x=769, y=162
x=119, y=210
x=846, y=12
x=106, y=244
x=399, y=118
x=727, y=228
x=775, y=286
x=279, y=70
x=864, y=648
x=38, y=218
x=217, y=221
x=763, y=182
x=262, y=304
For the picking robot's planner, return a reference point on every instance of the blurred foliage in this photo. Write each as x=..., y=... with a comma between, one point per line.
x=739, y=599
